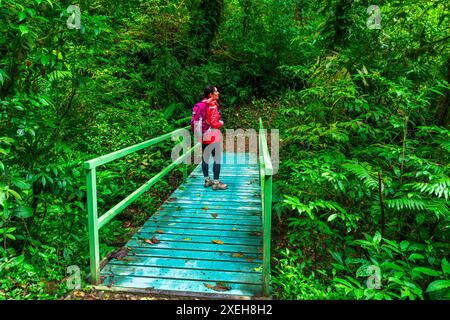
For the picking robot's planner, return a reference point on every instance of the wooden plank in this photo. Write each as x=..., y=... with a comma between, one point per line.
x=205, y=232
x=199, y=227
x=210, y=221
x=149, y=284
x=199, y=238
x=189, y=245
x=227, y=212
x=193, y=264
x=183, y=197
x=182, y=274
x=210, y=192
x=218, y=214
x=221, y=213
x=212, y=206
x=199, y=255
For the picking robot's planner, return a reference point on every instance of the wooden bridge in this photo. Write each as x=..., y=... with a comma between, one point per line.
x=201, y=242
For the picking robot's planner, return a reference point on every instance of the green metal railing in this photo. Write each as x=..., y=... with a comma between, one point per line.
x=95, y=222
x=265, y=175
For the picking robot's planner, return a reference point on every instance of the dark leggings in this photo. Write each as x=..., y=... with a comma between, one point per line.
x=214, y=149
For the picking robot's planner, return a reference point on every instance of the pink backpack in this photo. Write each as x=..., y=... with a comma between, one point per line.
x=198, y=118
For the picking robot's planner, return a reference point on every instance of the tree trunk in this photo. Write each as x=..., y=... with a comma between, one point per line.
x=206, y=20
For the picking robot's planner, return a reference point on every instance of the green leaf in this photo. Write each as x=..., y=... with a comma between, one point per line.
x=23, y=30
x=427, y=271
x=445, y=266
x=19, y=183
x=44, y=59
x=23, y=212
x=22, y=16
x=10, y=236
x=332, y=217
x=438, y=285
x=404, y=245
x=416, y=256
x=15, y=194
x=377, y=238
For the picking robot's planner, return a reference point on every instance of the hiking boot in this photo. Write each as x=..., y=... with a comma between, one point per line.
x=208, y=182
x=217, y=185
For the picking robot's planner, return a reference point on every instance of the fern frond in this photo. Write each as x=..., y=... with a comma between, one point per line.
x=363, y=174
x=445, y=144
x=405, y=203
x=438, y=207
x=59, y=75
x=439, y=188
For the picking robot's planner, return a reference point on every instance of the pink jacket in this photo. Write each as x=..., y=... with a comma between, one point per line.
x=213, y=119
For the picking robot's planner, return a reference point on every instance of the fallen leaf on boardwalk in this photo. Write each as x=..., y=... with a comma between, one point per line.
x=218, y=287
x=249, y=259
x=258, y=269
x=153, y=240
x=171, y=224
x=159, y=231
x=205, y=208
x=179, y=208
x=234, y=229
x=237, y=255
x=217, y=241
x=198, y=195
x=214, y=215
x=172, y=199
x=187, y=239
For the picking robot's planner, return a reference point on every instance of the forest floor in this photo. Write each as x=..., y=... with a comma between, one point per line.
x=93, y=294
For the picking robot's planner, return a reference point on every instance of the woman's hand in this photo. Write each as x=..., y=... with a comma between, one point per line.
x=221, y=122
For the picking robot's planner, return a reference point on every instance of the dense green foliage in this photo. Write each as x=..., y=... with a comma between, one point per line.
x=363, y=116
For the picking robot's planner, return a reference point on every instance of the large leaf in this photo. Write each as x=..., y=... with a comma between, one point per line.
x=21, y=184
x=23, y=212
x=427, y=271
x=438, y=285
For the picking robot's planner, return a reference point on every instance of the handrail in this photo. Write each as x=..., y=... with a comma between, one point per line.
x=95, y=222
x=265, y=175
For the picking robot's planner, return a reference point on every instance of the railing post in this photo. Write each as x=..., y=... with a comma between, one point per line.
x=267, y=234
x=94, y=251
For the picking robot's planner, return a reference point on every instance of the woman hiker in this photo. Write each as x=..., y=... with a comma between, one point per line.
x=211, y=142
